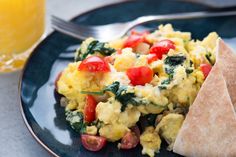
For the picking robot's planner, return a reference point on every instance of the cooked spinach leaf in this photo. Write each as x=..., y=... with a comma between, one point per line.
x=78, y=55
x=125, y=97
x=97, y=123
x=171, y=62
x=114, y=87
x=169, y=70
x=190, y=63
x=189, y=70
x=102, y=49
x=174, y=60
x=164, y=83
x=94, y=46
x=92, y=93
x=208, y=57
x=162, y=87
x=137, y=55
x=122, y=95
x=75, y=119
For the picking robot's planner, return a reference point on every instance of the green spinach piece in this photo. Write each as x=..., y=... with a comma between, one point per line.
x=190, y=63
x=75, y=119
x=114, y=87
x=170, y=64
x=161, y=87
x=174, y=60
x=169, y=70
x=125, y=97
x=164, y=83
x=95, y=46
x=97, y=123
x=189, y=70
x=92, y=93
x=208, y=57
x=122, y=95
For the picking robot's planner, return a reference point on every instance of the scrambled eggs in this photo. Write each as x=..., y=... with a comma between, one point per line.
x=147, y=75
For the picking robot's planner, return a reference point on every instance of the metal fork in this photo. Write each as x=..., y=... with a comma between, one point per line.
x=116, y=30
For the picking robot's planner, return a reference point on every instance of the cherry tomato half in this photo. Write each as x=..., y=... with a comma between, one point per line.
x=140, y=75
x=135, y=38
x=151, y=58
x=205, y=68
x=90, y=109
x=94, y=64
x=162, y=47
x=93, y=143
x=56, y=80
x=130, y=139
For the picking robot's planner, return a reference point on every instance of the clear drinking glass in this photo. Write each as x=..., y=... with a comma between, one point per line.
x=21, y=27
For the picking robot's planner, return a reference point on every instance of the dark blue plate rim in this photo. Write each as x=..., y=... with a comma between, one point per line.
x=43, y=40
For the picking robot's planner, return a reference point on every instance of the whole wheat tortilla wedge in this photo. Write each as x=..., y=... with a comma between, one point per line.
x=209, y=129
x=226, y=59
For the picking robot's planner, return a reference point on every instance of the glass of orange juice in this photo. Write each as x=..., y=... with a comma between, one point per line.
x=21, y=27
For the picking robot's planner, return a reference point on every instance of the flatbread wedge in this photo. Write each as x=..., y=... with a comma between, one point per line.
x=226, y=60
x=210, y=126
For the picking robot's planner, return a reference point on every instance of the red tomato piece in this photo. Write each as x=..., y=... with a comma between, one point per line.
x=205, y=68
x=151, y=58
x=130, y=139
x=94, y=64
x=140, y=75
x=133, y=41
x=162, y=47
x=90, y=109
x=135, y=38
x=93, y=143
x=119, y=51
x=143, y=34
x=57, y=79
x=109, y=59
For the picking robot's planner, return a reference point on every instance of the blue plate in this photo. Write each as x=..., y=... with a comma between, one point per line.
x=39, y=103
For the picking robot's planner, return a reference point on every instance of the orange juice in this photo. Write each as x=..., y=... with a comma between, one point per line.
x=21, y=26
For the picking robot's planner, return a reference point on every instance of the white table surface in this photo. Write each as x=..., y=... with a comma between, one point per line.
x=15, y=139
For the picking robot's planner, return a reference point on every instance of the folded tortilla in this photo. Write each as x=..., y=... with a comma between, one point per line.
x=226, y=60
x=209, y=129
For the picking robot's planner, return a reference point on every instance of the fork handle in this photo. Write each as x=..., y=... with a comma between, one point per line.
x=180, y=16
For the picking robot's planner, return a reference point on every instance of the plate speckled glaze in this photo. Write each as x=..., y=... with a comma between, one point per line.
x=40, y=103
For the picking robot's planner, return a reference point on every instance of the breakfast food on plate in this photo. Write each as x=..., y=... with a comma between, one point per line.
x=138, y=89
